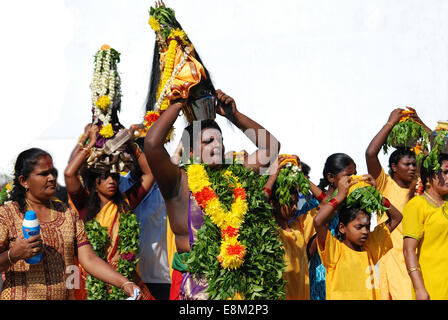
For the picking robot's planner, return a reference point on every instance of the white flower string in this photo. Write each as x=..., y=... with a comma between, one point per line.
x=105, y=85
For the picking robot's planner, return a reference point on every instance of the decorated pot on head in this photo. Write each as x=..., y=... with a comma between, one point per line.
x=109, y=152
x=439, y=137
x=177, y=73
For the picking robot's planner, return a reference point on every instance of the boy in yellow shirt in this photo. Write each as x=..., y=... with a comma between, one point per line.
x=293, y=234
x=350, y=259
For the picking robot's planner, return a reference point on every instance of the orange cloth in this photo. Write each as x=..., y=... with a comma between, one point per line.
x=295, y=242
x=189, y=76
x=395, y=283
x=350, y=274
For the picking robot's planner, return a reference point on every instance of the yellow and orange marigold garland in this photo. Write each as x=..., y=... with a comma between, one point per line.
x=232, y=252
x=167, y=71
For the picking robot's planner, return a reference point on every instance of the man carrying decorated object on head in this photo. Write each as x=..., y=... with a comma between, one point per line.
x=223, y=227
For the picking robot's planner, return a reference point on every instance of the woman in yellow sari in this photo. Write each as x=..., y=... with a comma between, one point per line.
x=102, y=207
x=425, y=232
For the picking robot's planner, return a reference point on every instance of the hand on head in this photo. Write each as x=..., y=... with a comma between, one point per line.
x=226, y=106
x=395, y=116
x=344, y=185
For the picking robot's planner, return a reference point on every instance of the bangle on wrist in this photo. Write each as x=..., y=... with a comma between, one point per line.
x=412, y=269
x=137, y=151
x=390, y=123
x=334, y=203
x=127, y=282
x=321, y=197
x=268, y=191
x=87, y=149
x=386, y=203
x=9, y=257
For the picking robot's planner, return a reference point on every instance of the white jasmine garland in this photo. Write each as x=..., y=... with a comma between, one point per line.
x=105, y=81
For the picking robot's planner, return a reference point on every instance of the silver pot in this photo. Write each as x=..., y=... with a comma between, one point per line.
x=200, y=109
x=411, y=144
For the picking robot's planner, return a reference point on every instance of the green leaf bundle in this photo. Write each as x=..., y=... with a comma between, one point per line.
x=432, y=160
x=406, y=134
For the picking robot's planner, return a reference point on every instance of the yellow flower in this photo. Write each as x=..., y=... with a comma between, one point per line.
x=9, y=187
x=238, y=211
x=231, y=254
x=237, y=296
x=197, y=178
x=107, y=131
x=216, y=213
x=154, y=23
x=103, y=103
x=179, y=34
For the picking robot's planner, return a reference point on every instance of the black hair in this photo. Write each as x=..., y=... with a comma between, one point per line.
x=305, y=168
x=334, y=164
x=347, y=215
x=428, y=173
x=205, y=87
x=93, y=203
x=397, y=155
x=25, y=163
x=189, y=135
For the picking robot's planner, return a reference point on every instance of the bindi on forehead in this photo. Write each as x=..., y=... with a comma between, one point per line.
x=46, y=161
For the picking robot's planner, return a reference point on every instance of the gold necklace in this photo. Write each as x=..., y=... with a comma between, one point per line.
x=432, y=199
x=51, y=208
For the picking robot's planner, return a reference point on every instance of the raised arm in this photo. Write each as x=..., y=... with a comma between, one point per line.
x=373, y=163
x=79, y=155
x=167, y=174
x=147, y=178
x=327, y=210
x=268, y=146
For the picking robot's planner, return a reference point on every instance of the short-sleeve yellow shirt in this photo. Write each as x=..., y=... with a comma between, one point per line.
x=350, y=274
x=429, y=225
x=395, y=283
x=295, y=242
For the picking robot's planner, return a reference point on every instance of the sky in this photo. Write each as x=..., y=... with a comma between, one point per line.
x=321, y=75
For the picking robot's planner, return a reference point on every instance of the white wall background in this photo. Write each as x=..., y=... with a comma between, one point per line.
x=321, y=75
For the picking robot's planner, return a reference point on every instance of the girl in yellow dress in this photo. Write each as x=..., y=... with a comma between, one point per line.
x=350, y=258
x=398, y=186
x=425, y=232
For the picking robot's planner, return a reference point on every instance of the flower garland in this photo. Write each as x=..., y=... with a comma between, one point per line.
x=253, y=229
x=172, y=39
x=128, y=247
x=167, y=72
x=105, y=87
x=232, y=252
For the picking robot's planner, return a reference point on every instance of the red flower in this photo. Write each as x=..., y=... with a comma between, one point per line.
x=236, y=250
x=151, y=117
x=239, y=192
x=229, y=232
x=204, y=196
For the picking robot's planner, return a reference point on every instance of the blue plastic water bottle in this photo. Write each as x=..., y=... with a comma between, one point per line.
x=31, y=227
